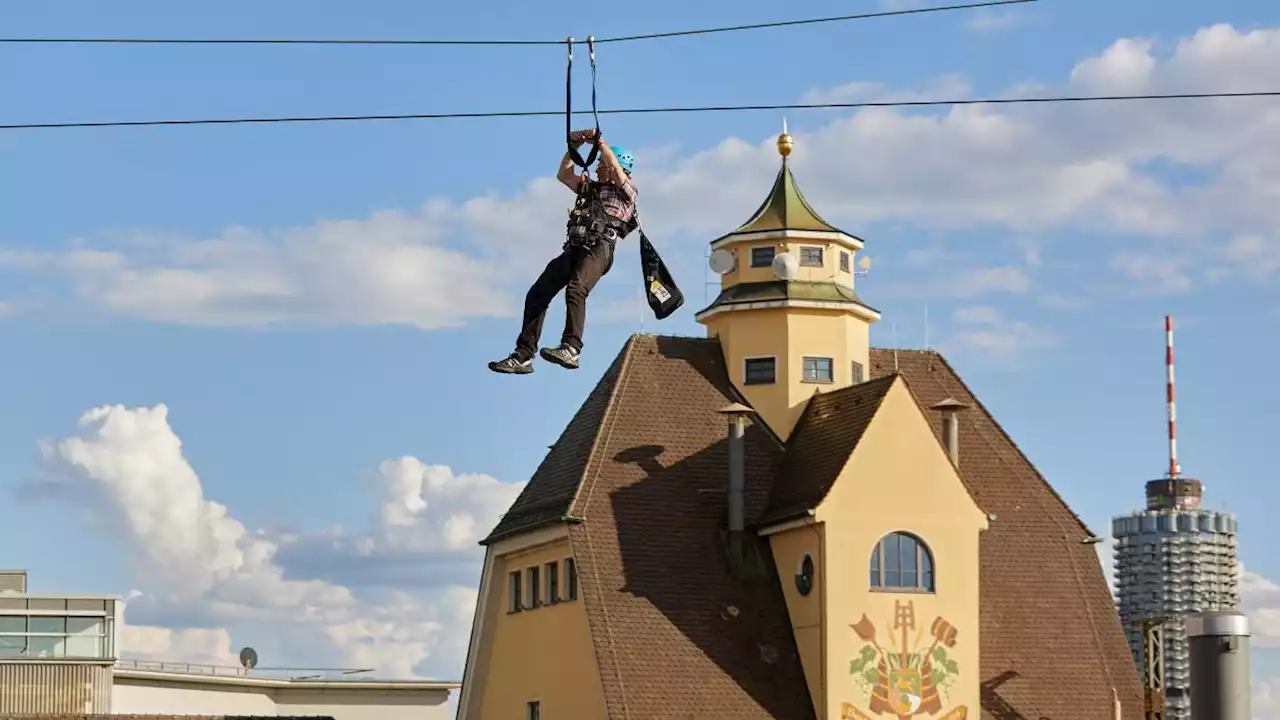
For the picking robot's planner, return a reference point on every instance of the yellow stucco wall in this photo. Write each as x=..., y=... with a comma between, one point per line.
x=790, y=335
x=805, y=611
x=900, y=479
x=542, y=654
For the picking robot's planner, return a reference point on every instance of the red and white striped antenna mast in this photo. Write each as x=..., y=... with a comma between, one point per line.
x=1174, y=469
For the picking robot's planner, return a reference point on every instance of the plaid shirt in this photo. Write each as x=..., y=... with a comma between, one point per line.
x=617, y=200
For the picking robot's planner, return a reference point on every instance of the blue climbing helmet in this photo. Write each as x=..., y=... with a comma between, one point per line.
x=625, y=158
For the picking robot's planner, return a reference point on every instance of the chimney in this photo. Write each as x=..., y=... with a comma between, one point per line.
x=737, y=414
x=951, y=426
x=1219, y=644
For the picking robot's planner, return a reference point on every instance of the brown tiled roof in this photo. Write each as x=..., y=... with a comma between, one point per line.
x=676, y=635
x=1052, y=643
x=643, y=465
x=819, y=447
x=549, y=493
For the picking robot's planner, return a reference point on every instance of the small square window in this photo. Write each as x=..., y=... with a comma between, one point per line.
x=844, y=261
x=811, y=256
x=553, y=582
x=535, y=586
x=856, y=373
x=571, y=578
x=817, y=369
x=762, y=256
x=514, y=594
x=760, y=371
x=533, y=710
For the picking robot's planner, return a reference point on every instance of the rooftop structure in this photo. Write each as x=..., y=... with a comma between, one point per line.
x=58, y=658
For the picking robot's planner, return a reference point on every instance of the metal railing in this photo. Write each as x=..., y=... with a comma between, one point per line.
x=276, y=673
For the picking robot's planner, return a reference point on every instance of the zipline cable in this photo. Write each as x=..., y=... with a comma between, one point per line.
x=639, y=111
x=627, y=38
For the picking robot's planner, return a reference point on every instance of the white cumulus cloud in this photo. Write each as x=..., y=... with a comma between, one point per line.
x=206, y=579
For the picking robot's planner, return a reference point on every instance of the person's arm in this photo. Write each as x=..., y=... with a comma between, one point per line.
x=620, y=176
x=567, y=174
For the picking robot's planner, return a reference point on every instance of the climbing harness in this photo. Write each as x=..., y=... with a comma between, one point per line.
x=589, y=223
x=568, y=107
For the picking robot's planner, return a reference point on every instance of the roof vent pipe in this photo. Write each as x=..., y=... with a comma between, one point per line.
x=950, y=408
x=737, y=414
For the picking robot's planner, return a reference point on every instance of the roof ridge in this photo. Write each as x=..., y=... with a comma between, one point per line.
x=832, y=396
x=1008, y=438
x=606, y=417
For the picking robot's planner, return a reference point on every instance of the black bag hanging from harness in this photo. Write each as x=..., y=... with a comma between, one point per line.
x=660, y=288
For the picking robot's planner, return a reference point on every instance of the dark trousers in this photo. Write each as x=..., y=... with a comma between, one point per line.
x=576, y=271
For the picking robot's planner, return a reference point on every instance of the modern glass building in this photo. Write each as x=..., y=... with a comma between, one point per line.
x=43, y=627
x=56, y=653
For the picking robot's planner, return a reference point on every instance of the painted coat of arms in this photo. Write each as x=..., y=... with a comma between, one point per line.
x=909, y=679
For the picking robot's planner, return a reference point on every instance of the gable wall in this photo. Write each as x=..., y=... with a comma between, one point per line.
x=900, y=479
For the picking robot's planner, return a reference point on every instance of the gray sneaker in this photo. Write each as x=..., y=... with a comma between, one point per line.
x=564, y=356
x=512, y=365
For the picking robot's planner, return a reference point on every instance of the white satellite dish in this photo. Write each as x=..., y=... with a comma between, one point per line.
x=722, y=261
x=865, y=263
x=785, y=266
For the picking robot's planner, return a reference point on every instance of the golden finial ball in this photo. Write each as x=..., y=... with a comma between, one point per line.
x=785, y=144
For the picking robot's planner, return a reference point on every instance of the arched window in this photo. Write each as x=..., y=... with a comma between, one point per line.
x=902, y=562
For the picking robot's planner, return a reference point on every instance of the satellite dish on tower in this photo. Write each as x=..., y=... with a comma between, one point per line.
x=865, y=264
x=722, y=261
x=785, y=266
x=248, y=658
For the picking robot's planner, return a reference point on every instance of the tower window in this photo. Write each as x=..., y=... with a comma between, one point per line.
x=844, y=261
x=902, y=563
x=811, y=256
x=533, y=710
x=759, y=371
x=817, y=370
x=514, y=594
x=762, y=256
x=856, y=373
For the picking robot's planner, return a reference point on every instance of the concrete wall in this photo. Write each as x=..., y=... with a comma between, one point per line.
x=39, y=687
x=192, y=697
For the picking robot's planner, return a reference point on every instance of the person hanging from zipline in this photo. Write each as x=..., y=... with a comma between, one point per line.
x=604, y=213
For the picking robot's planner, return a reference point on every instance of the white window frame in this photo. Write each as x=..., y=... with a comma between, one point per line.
x=822, y=256
x=830, y=360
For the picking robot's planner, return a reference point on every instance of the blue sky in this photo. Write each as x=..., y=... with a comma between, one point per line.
x=269, y=286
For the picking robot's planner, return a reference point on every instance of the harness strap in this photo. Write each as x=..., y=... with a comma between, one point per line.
x=568, y=107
